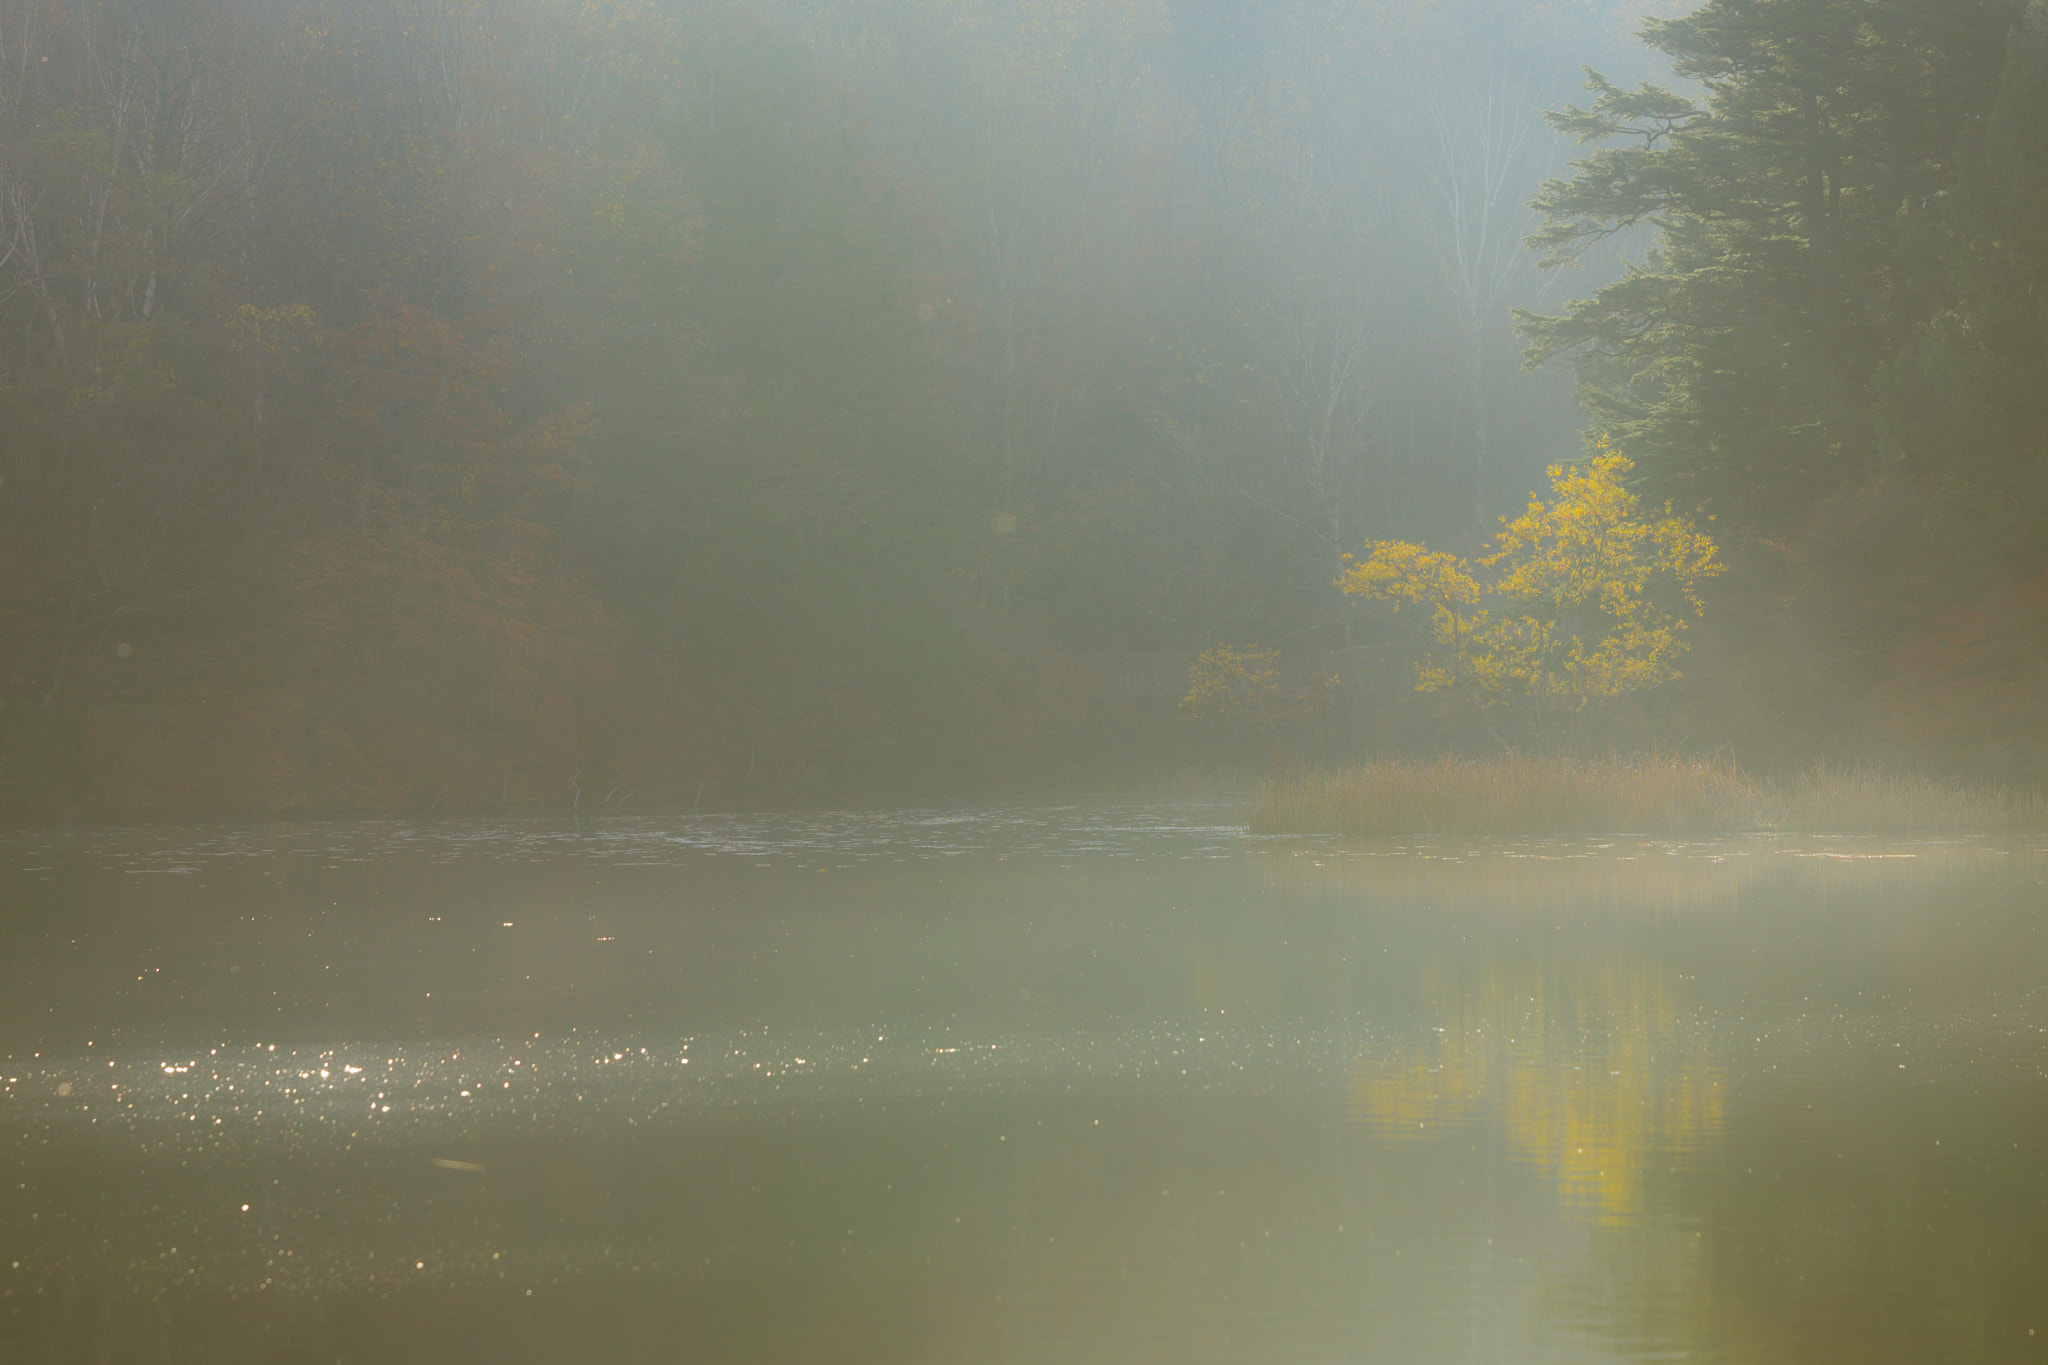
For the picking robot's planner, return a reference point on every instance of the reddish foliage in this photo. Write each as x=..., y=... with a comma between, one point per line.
x=1975, y=689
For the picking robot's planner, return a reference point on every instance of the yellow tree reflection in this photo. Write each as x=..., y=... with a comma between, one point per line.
x=1591, y=1071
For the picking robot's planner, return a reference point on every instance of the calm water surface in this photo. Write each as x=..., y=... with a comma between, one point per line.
x=1059, y=1083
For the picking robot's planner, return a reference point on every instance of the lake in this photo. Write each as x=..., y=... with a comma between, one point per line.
x=1047, y=1083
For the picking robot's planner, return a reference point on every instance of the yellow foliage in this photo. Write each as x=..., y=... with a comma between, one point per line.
x=1229, y=681
x=268, y=331
x=1592, y=1107
x=1590, y=600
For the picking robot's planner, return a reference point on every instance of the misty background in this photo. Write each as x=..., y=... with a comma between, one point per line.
x=425, y=404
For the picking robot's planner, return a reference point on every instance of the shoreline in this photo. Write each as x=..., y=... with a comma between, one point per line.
x=1523, y=795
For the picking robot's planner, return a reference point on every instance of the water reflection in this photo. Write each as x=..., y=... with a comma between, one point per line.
x=1644, y=877
x=1070, y=1084
x=1589, y=1074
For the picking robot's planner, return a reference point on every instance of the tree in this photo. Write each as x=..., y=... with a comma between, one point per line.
x=1483, y=136
x=1587, y=600
x=1970, y=396
x=1738, y=361
x=1228, y=681
x=1973, y=691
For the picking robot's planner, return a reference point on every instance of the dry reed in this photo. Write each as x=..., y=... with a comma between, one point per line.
x=1827, y=799
x=1523, y=794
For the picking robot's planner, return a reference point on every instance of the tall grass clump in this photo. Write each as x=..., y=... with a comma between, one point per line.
x=1524, y=794
x=1515, y=794
x=1837, y=799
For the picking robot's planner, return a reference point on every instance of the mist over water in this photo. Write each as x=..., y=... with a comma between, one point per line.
x=1085, y=1082
x=430, y=412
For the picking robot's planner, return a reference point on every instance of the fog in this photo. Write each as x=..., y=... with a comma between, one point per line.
x=414, y=405
x=996, y=680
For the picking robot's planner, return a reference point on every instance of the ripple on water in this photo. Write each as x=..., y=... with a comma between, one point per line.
x=1179, y=829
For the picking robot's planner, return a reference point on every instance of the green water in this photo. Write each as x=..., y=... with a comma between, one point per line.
x=1087, y=1083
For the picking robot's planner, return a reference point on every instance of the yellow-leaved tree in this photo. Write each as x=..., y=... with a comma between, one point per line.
x=1582, y=599
x=1227, y=681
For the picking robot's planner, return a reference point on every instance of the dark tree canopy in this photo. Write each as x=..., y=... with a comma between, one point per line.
x=1741, y=361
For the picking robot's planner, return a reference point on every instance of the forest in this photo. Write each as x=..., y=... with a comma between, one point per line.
x=414, y=405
